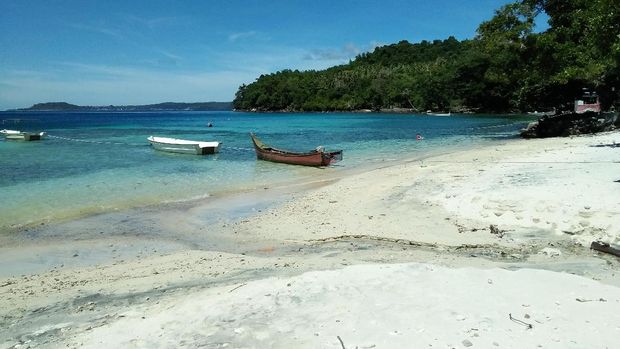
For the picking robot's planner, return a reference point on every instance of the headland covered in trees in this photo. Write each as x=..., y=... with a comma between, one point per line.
x=506, y=67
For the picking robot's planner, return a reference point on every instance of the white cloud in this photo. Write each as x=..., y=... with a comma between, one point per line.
x=164, y=76
x=155, y=22
x=374, y=44
x=242, y=35
x=265, y=61
x=103, y=85
x=100, y=29
x=168, y=58
x=339, y=55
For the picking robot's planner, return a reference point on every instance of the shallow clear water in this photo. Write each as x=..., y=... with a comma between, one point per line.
x=98, y=162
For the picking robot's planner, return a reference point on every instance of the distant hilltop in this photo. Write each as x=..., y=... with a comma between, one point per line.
x=167, y=106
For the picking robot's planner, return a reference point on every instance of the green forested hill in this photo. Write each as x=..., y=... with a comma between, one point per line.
x=506, y=67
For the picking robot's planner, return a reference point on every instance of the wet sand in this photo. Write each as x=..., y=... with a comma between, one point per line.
x=390, y=257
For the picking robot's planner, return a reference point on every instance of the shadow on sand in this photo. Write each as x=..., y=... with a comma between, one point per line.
x=611, y=145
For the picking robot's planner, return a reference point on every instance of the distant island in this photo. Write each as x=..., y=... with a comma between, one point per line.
x=167, y=106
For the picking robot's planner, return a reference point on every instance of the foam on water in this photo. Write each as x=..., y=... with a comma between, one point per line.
x=99, y=162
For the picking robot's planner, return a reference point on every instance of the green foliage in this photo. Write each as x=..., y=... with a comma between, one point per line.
x=506, y=67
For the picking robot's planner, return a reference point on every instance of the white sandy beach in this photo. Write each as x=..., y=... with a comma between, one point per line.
x=396, y=257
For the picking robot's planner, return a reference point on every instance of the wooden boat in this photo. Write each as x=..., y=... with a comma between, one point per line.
x=174, y=145
x=13, y=135
x=317, y=157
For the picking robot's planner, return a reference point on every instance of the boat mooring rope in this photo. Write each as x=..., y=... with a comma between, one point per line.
x=238, y=148
x=494, y=126
x=242, y=149
x=130, y=144
x=95, y=142
x=450, y=131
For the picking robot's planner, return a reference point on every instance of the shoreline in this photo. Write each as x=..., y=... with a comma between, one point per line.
x=384, y=111
x=133, y=224
x=333, y=173
x=359, y=111
x=436, y=211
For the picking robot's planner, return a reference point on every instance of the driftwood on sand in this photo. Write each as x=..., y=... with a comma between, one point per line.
x=605, y=248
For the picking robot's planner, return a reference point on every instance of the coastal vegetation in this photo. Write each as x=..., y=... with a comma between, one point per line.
x=506, y=67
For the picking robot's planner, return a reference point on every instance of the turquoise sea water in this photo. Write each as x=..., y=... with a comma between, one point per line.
x=100, y=162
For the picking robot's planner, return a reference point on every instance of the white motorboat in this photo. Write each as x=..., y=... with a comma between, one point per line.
x=428, y=112
x=174, y=145
x=14, y=135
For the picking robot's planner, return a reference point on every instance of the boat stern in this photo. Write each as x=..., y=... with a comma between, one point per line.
x=208, y=148
x=331, y=157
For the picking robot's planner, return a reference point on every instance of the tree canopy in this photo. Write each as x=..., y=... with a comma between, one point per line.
x=505, y=67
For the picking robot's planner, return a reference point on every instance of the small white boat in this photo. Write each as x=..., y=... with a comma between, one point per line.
x=9, y=132
x=14, y=135
x=174, y=145
x=428, y=112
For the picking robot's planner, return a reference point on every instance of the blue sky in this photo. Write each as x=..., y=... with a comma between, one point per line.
x=90, y=52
